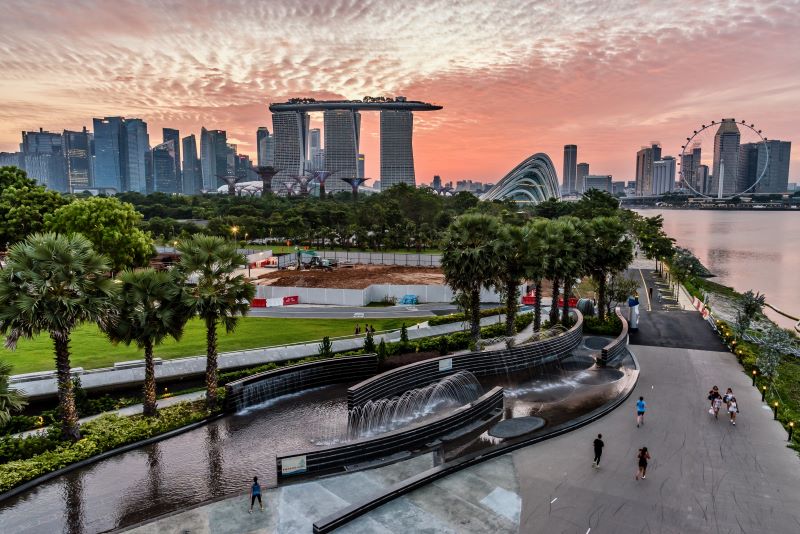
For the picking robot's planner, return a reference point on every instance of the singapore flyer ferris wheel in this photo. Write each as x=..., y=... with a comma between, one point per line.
x=733, y=168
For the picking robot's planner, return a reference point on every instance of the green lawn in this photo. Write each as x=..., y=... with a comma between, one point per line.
x=90, y=348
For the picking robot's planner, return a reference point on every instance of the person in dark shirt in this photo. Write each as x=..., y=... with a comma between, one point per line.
x=598, y=450
x=255, y=493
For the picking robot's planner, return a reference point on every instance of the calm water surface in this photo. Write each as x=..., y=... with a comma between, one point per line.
x=756, y=250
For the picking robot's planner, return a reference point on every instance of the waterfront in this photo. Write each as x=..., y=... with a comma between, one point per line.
x=745, y=250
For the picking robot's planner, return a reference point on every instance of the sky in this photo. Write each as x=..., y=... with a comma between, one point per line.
x=515, y=77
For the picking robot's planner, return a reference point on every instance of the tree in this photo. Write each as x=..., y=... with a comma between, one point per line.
x=11, y=399
x=53, y=283
x=773, y=343
x=110, y=225
x=215, y=294
x=751, y=305
x=369, y=343
x=595, y=203
x=608, y=252
x=575, y=233
x=619, y=289
x=535, y=265
x=469, y=262
x=325, y=348
x=554, y=256
x=23, y=206
x=152, y=307
x=511, y=259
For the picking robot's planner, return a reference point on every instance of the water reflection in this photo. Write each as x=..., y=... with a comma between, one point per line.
x=73, y=499
x=215, y=468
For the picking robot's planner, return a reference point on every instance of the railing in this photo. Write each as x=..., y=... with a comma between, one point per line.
x=618, y=344
x=335, y=458
x=485, y=363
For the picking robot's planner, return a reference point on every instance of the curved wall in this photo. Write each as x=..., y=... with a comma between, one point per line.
x=618, y=344
x=420, y=374
x=534, y=180
x=329, y=459
x=292, y=378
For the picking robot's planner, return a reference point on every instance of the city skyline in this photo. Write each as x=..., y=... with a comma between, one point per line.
x=603, y=79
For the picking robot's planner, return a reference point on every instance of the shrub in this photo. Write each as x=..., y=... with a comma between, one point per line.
x=403, y=334
x=460, y=317
x=382, y=353
x=442, y=345
x=612, y=326
x=326, y=347
x=369, y=343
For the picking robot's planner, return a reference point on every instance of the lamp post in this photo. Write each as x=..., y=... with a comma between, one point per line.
x=754, y=377
x=791, y=429
x=775, y=410
x=234, y=231
x=763, y=392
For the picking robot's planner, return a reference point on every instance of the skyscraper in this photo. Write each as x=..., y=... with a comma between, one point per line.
x=581, y=173
x=316, y=153
x=601, y=182
x=164, y=178
x=753, y=161
x=569, y=184
x=397, y=151
x=77, y=148
x=136, y=146
x=361, y=165
x=170, y=134
x=342, y=135
x=192, y=175
x=437, y=183
x=644, y=168
x=43, y=156
x=664, y=175
x=725, y=179
x=315, y=139
x=108, y=137
x=213, y=158
x=701, y=178
x=291, y=135
x=265, y=147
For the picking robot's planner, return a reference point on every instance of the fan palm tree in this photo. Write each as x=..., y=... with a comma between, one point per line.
x=53, y=283
x=609, y=251
x=10, y=399
x=469, y=262
x=152, y=307
x=214, y=293
x=535, y=264
x=574, y=234
x=555, y=254
x=510, y=255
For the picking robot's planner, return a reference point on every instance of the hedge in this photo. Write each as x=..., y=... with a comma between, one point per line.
x=611, y=326
x=460, y=317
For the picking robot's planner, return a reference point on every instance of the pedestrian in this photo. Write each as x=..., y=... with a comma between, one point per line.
x=642, y=457
x=598, y=450
x=727, y=397
x=650, y=292
x=716, y=403
x=357, y=330
x=713, y=394
x=641, y=407
x=733, y=409
x=255, y=493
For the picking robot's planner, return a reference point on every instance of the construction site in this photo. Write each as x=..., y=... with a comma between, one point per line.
x=351, y=276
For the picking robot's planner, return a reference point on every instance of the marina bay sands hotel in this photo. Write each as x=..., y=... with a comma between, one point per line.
x=342, y=133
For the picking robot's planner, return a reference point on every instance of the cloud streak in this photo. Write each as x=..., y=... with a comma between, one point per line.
x=514, y=77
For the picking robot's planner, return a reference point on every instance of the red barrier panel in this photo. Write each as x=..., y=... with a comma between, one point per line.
x=291, y=300
x=529, y=299
x=259, y=303
x=572, y=302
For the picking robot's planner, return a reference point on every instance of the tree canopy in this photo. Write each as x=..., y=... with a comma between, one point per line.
x=23, y=206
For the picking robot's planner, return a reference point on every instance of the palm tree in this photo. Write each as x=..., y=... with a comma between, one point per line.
x=10, y=399
x=214, y=293
x=152, y=307
x=53, y=283
x=574, y=234
x=469, y=262
x=535, y=264
x=511, y=262
x=609, y=251
x=554, y=256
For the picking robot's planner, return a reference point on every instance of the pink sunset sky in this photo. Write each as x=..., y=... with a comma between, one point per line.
x=514, y=77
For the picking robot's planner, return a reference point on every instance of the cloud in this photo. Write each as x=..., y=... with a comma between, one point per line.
x=514, y=77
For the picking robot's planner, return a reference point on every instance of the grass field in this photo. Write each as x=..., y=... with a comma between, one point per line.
x=90, y=348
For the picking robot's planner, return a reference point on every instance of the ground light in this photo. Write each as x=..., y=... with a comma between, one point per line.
x=775, y=410
x=754, y=377
x=791, y=429
x=763, y=392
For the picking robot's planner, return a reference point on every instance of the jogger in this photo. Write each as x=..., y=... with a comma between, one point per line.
x=598, y=450
x=641, y=407
x=643, y=456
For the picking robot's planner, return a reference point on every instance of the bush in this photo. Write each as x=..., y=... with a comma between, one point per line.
x=612, y=326
x=326, y=347
x=39, y=455
x=460, y=317
x=369, y=343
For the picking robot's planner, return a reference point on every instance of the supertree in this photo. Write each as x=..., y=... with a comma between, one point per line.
x=266, y=174
x=355, y=183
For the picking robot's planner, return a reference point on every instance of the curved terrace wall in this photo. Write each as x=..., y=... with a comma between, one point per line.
x=337, y=457
x=484, y=363
x=618, y=344
x=264, y=386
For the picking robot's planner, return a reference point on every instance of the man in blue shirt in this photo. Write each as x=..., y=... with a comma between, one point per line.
x=255, y=493
x=641, y=407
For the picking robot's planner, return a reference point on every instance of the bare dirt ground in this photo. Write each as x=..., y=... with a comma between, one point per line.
x=355, y=277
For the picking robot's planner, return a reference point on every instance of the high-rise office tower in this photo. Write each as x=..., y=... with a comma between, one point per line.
x=43, y=156
x=109, y=134
x=644, y=168
x=437, y=183
x=361, y=165
x=601, y=182
x=12, y=159
x=314, y=139
x=136, y=147
x=192, y=175
x=582, y=170
x=342, y=136
x=753, y=161
x=213, y=158
x=265, y=147
x=701, y=176
x=318, y=160
x=170, y=134
x=291, y=138
x=164, y=178
x=244, y=169
x=664, y=175
x=569, y=184
x=725, y=178
x=77, y=148
x=397, y=151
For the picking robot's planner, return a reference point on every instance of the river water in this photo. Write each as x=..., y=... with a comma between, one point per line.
x=758, y=250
